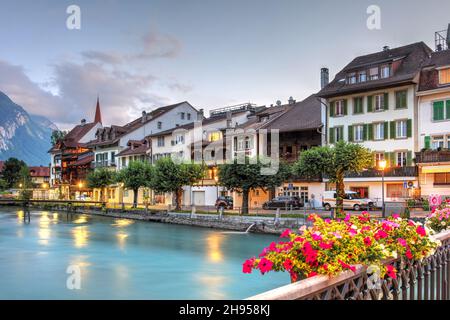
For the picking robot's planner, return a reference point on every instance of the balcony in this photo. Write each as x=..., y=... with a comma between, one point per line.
x=431, y=156
x=410, y=171
x=103, y=164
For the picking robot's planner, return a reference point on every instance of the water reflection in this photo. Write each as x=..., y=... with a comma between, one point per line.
x=80, y=220
x=80, y=236
x=213, y=286
x=20, y=216
x=214, y=250
x=122, y=223
x=121, y=239
x=44, y=229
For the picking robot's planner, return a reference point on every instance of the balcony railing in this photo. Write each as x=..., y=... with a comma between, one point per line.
x=433, y=156
x=409, y=171
x=103, y=164
x=416, y=280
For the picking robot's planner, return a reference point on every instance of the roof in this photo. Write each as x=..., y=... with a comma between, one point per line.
x=303, y=115
x=83, y=160
x=72, y=139
x=410, y=58
x=429, y=77
x=135, y=148
x=39, y=171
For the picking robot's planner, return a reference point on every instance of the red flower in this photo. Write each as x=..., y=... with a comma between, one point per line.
x=247, y=267
x=325, y=245
x=265, y=265
x=347, y=266
x=299, y=239
x=294, y=276
x=402, y=242
x=421, y=231
x=368, y=241
x=287, y=264
x=312, y=274
x=286, y=233
x=409, y=254
x=391, y=272
x=380, y=235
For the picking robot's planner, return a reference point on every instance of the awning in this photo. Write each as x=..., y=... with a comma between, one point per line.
x=436, y=169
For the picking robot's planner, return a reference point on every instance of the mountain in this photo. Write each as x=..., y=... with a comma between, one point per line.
x=23, y=136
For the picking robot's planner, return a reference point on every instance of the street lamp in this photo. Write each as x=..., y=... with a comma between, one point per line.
x=382, y=166
x=216, y=179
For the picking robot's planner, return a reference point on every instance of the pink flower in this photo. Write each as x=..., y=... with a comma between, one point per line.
x=265, y=265
x=402, y=242
x=286, y=233
x=316, y=236
x=391, y=272
x=368, y=241
x=287, y=264
x=352, y=232
x=347, y=266
x=421, y=231
x=327, y=220
x=324, y=245
x=395, y=216
x=273, y=246
x=380, y=234
x=365, y=228
x=247, y=266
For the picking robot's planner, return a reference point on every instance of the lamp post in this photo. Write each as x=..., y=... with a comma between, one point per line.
x=80, y=185
x=382, y=166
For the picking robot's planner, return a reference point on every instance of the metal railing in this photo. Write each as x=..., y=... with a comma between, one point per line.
x=428, y=279
x=408, y=171
x=433, y=156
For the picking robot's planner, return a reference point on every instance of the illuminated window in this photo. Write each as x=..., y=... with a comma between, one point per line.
x=444, y=76
x=378, y=157
x=215, y=136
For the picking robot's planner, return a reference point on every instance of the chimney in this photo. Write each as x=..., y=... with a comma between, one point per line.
x=448, y=36
x=83, y=122
x=229, y=119
x=324, y=77
x=386, y=48
x=144, y=116
x=291, y=100
x=200, y=115
x=278, y=103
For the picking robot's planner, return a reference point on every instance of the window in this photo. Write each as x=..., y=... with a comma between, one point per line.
x=339, y=108
x=401, y=129
x=438, y=142
x=159, y=125
x=124, y=162
x=189, y=116
x=378, y=157
x=160, y=141
x=444, y=76
x=215, y=136
x=339, y=133
x=401, y=158
x=396, y=190
x=442, y=178
x=182, y=115
x=379, y=102
x=379, y=131
x=438, y=111
x=179, y=139
x=351, y=78
x=247, y=143
x=113, y=158
x=373, y=73
x=400, y=99
x=358, y=133
x=358, y=105
x=362, y=76
x=385, y=71
x=304, y=194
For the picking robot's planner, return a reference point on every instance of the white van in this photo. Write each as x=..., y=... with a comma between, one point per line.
x=352, y=200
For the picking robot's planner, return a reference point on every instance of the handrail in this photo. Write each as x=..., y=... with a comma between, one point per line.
x=311, y=287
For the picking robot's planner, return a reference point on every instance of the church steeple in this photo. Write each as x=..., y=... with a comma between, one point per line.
x=98, y=115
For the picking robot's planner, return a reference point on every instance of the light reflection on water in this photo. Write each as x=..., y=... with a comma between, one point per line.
x=124, y=259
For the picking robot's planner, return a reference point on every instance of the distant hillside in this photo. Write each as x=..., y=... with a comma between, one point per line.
x=23, y=136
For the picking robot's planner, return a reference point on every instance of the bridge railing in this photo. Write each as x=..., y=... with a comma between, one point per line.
x=428, y=279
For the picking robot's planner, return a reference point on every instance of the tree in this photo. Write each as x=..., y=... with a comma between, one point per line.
x=171, y=177
x=248, y=176
x=334, y=162
x=100, y=179
x=57, y=135
x=3, y=185
x=12, y=172
x=136, y=175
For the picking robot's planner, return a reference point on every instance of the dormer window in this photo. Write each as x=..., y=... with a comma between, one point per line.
x=373, y=73
x=351, y=78
x=444, y=76
x=362, y=76
x=385, y=71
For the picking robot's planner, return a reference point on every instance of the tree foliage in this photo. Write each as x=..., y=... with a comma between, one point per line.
x=334, y=162
x=244, y=177
x=12, y=172
x=136, y=175
x=171, y=177
x=100, y=179
x=57, y=135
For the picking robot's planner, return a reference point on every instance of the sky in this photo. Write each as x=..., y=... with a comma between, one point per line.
x=140, y=55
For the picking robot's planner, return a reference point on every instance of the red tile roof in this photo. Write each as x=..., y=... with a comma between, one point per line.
x=39, y=171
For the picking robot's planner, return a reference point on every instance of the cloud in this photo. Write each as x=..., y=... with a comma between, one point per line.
x=159, y=45
x=103, y=57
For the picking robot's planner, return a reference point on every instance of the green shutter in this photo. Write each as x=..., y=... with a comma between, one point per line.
x=350, y=133
x=386, y=130
x=398, y=100
x=341, y=133
x=345, y=107
x=438, y=110
x=427, y=142
x=447, y=111
x=409, y=158
x=392, y=127
x=332, y=109
x=331, y=135
x=409, y=128
x=370, y=131
x=392, y=160
x=387, y=157
x=369, y=103
x=386, y=101
x=365, y=132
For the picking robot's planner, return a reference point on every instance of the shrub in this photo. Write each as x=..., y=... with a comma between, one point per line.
x=439, y=219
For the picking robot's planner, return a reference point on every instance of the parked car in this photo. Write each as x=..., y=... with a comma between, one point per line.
x=225, y=202
x=352, y=200
x=283, y=202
